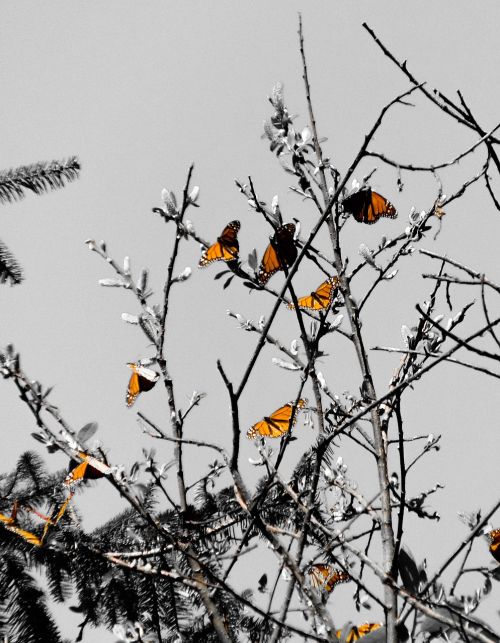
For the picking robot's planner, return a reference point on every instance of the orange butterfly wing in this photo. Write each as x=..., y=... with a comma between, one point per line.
x=278, y=423
x=226, y=247
x=367, y=206
x=321, y=298
x=142, y=379
x=326, y=577
x=280, y=250
x=366, y=628
x=494, y=537
x=76, y=474
x=89, y=469
x=269, y=265
x=357, y=632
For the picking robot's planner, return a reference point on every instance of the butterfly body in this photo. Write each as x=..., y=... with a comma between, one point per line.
x=321, y=298
x=367, y=206
x=280, y=252
x=142, y=379
x=226, y=248
x=325, y=577
x=278, y=423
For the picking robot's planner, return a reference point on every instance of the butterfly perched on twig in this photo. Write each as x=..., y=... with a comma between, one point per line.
x=226, y=247
x=325, y=577
x=278, y=423
x=321, y=298
x=142, y=379
x=89, y=468
x=280, y=252
x=367, y=206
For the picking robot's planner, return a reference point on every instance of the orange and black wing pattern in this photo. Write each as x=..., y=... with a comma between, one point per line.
x=142, y=379
x=325, y=577
x=321, y=298
x=367, y=206
x=226, y=247
x=494, y=537
x=278, y=423
x=358, y=631
x=281, y=250
x=89, y=468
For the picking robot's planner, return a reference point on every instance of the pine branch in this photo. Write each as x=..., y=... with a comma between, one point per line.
x=10, y=270
x=37, y=177
x=24, y=604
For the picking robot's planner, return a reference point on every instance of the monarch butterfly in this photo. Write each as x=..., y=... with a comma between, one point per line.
x=494, y=537
x=321, y=298
x=89, y=469
x=142, y=379
x=281, y=250
x=225, y=248
x=326, y=577
x=278, y=422
x=367, y=206
x=357, y=632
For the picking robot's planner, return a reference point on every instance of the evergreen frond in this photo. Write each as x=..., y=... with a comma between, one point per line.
x=22, y=603
x=58, y=576
x=10, y=269
x=38, y=178
x=31, y=468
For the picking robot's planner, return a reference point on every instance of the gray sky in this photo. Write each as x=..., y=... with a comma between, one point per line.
x=138, y=91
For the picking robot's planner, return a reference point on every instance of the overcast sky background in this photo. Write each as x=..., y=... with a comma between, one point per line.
x=138, y=91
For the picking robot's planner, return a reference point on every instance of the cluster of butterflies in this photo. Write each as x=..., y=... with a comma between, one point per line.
x=366, y=206
x=280, y=253
x=88, y=468
x=325, y=578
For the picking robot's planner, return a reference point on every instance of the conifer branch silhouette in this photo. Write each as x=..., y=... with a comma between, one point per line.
x=10, y=270
x=37, y=178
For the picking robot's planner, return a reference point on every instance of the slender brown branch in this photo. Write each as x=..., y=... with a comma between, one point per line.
x=473, y=273
x=446, y=106
x=437, y=166
x=235, y=418
x=162, y=362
